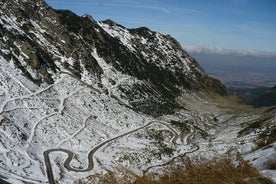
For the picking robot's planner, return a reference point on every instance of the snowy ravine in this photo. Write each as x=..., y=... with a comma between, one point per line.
x=79, y=97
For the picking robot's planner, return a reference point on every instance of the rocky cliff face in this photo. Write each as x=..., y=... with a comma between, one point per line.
x=43, y=42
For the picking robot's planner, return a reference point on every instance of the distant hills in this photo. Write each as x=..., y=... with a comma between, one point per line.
x=231, y=69
x=249, y=76
x=266, y=99
x=256, y=96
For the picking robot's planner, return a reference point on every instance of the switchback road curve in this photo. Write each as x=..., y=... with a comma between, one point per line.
x=188, y=140
x=70, y=154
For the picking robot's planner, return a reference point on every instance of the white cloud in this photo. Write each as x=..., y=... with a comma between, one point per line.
x=195, y=49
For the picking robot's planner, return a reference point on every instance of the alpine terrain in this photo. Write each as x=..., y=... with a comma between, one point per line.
x=79, y=97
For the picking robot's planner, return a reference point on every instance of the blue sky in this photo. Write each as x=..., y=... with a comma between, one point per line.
x=248, y=25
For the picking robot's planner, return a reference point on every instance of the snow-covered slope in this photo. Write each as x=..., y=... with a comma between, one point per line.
x=78, y=97
x=264, y=159
x=43, y=42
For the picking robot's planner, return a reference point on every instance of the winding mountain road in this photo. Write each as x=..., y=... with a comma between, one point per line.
x=187, y=141
x=70, y=154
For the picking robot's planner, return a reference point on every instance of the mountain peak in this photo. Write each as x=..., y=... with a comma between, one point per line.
x=112, y=23
x=89, y=17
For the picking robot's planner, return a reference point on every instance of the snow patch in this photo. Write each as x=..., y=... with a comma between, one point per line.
x=10, y=23
x=119, y=32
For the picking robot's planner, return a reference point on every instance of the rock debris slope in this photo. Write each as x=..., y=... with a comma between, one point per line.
x=80, y=95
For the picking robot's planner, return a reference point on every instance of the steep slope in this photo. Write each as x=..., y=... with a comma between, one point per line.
x=78, y=97
x=43, y=42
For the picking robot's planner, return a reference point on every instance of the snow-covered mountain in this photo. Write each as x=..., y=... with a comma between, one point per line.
x=78, y=97
x=154, y=69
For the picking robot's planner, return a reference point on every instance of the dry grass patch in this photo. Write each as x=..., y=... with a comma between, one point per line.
x=272, y=165
x=224, y=170
x=216, y=171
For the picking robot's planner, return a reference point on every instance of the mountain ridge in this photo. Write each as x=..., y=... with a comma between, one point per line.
x=137, y=52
